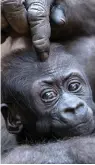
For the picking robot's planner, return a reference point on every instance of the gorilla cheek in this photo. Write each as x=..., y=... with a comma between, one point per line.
x=43, y=126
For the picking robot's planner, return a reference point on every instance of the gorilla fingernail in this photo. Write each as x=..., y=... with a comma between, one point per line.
x=57, y=15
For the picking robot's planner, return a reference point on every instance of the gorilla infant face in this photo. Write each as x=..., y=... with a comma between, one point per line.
x=52, y=97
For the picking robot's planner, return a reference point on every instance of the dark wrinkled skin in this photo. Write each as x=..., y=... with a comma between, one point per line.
x=71, y=114
x=78, y=18
x=18, y=14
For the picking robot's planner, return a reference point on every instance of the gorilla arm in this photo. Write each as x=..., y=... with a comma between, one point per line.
x=76, y=150
x=15, y=14
x=79, y=18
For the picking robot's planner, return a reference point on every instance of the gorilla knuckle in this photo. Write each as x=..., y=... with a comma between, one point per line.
x=12, y=5
x=7, y=2
x=41, y=44
x=36, y=11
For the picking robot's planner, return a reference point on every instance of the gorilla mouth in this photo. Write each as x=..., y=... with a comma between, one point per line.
x=63, y=130
x=84, y=127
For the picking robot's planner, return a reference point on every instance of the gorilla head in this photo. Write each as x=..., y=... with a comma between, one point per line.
x=51, y=98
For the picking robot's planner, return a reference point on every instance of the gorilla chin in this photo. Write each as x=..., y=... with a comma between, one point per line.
x=81, y=129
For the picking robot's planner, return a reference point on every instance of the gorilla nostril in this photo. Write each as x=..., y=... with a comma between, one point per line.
x=70, y=110
x=80, y=105
x=81, y=109
x=74, y=108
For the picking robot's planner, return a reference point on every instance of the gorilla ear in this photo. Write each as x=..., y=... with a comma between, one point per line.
x=13, y=123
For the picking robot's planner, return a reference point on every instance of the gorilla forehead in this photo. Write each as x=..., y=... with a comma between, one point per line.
x=27, y=66
x=59, y=60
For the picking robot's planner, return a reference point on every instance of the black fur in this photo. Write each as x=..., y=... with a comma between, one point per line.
x=54, y=135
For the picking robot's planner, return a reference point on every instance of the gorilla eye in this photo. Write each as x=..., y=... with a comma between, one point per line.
x=74, y=86
x=48, y=96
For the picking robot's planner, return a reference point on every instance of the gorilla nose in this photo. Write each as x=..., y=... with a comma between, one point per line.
x=73, y=114
x=75, y=109
x=72, y=110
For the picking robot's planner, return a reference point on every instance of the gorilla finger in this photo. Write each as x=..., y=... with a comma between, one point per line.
x=16, y=15
x=38, y=17
x=57, y=14
x=41, y=41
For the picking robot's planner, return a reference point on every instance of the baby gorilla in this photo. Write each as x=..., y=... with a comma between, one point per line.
x=45, y=101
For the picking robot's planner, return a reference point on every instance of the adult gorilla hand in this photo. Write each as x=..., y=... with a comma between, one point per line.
x=38, y=17
x=15, y=13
